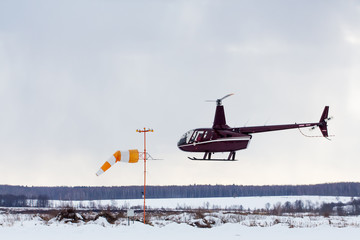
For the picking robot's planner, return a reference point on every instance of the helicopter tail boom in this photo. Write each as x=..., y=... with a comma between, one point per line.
x=322, y=124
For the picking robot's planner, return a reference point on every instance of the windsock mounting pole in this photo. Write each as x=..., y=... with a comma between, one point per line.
x=144, y=131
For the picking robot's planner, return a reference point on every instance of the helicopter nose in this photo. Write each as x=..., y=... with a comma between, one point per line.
x=180, y=146
x=181, y=142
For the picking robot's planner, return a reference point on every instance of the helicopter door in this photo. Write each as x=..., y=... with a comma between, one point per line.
x=197, y=136
x=207, y=135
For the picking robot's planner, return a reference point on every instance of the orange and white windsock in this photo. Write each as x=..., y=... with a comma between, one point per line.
x=130, y=156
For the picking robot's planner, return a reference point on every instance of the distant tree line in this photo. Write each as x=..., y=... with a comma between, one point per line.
x=340, y=208
x=351, y=208
x=191, y=191
x=9, y=200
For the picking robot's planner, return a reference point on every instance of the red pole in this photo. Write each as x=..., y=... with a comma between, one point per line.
x=145, y=131
x=144, y=171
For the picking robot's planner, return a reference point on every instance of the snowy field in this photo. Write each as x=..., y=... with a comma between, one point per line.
x=182, y=225
x=175, y=231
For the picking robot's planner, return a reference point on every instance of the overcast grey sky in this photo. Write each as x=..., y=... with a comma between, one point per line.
x=77, y=78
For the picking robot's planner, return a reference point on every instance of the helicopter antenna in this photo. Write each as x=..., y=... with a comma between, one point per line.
x=219, y=101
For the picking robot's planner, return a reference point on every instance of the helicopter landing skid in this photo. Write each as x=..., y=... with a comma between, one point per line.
x=206, y=159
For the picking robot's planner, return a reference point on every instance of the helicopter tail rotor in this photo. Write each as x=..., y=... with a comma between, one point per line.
x=325, y=120
x=322, y=124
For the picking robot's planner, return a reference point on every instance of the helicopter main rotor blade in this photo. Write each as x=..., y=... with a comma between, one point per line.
x=226, y=96
x=220, y=99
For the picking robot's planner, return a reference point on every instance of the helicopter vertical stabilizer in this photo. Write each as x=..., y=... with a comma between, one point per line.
x=323, y=122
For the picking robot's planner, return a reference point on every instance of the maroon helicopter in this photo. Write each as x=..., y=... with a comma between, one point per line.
x=222, y=138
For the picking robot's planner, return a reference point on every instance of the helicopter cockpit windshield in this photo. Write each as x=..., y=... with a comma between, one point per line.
x=185, y=138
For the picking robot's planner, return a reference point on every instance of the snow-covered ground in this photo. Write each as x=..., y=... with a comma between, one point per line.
x=100, y=229
x=182, y=225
